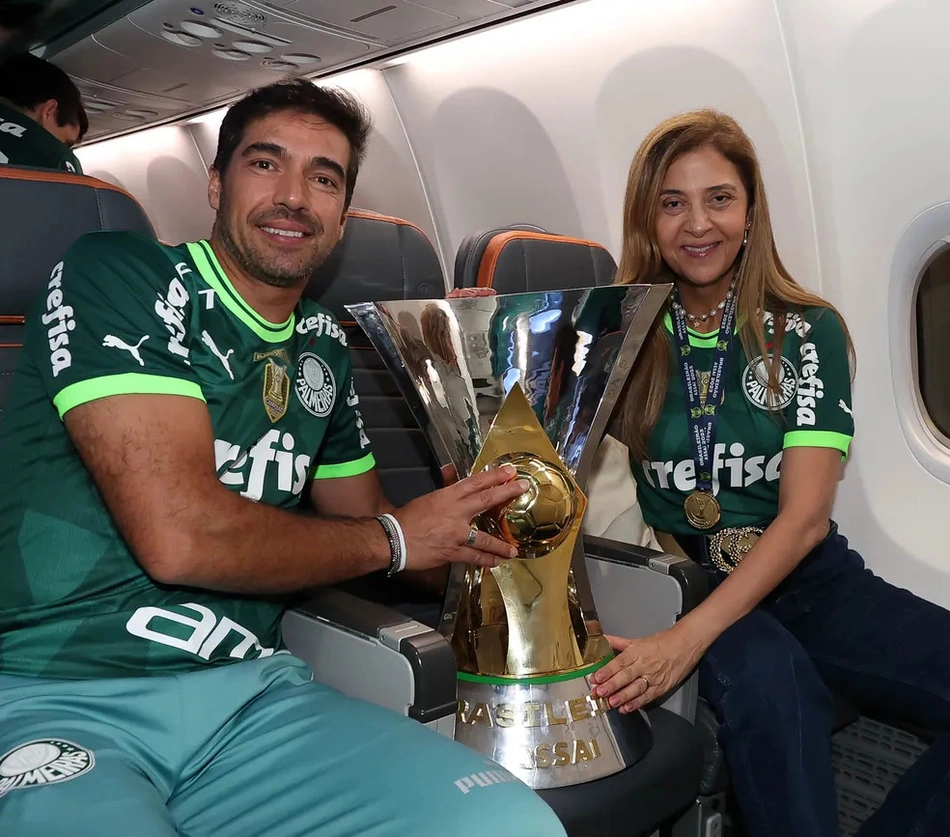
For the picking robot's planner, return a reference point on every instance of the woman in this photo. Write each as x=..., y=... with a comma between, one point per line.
x=738, y=420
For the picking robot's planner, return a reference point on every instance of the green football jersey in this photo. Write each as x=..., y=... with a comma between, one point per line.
x=814, y=411
x=24, y=142
x=124, y=314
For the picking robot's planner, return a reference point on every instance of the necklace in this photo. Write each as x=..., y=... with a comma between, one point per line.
x=701, y=318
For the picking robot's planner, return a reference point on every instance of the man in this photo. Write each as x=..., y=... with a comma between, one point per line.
x=172, y=405
x=41, y=115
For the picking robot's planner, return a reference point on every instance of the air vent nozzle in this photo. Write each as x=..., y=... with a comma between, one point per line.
x=238, y=14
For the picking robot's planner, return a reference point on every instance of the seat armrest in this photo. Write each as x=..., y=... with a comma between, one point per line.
x=690, y=577
x=373, y=653
x=638, y=592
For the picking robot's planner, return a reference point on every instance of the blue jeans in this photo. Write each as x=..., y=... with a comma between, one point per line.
x=830, y=624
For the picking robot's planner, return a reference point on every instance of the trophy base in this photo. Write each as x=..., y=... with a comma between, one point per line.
x=549, y=731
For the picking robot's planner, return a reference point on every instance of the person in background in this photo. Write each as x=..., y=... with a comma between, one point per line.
x=41, y=115
x=738, y=420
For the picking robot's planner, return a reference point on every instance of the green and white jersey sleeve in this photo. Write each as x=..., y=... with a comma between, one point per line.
x=345, y=451
x=116, y=325
x=820, y=414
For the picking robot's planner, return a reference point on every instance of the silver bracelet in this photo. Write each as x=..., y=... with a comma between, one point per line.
x=397, y=543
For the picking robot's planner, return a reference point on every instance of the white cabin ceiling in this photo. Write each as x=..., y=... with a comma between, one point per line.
x=170, y=58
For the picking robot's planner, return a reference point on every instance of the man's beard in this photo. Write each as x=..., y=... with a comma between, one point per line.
x=265, y=267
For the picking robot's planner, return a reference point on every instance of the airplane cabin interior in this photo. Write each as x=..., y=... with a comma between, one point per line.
x=502, y=136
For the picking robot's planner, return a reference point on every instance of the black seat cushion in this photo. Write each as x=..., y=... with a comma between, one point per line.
x=642, y=797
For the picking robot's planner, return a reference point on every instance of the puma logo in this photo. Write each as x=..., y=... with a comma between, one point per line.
x=206, y=339
x=845, y=407
x=110, y=341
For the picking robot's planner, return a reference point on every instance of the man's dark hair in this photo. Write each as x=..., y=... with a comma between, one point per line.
x=28, y=81
x=333, y=105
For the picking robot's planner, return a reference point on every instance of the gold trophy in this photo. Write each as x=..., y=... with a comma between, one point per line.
x=529, y=380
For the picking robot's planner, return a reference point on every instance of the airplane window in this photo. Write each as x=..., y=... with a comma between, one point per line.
x=933, y=340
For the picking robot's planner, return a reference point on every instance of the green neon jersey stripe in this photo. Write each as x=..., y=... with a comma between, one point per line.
x=214, y=275
x=538, y=680
x=129, y=383
x=345, y=469
x=817, y=439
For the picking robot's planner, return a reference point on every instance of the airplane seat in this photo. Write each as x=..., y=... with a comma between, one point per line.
x=637, y=591
x=472, y=249
x=361, y=267
x=42, y=212
x=381, y=257
x=523, y=257
x=347, y=633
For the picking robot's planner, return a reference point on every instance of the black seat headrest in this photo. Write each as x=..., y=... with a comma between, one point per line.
x=379, y=257
x=472, y=249
x=518, y=260
x=42, y=212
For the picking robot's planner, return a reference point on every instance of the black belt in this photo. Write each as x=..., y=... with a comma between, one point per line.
x=722, y=550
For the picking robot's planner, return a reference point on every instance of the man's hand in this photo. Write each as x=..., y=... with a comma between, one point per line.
x=450, y=475
x=437, y=525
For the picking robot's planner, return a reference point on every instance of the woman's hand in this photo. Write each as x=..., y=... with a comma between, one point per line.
x=645, y=669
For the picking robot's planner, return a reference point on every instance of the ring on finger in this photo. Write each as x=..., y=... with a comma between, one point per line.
x=646, y=683
x=472, y=534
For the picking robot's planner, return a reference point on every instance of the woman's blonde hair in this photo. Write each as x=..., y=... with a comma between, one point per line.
x=762, y=282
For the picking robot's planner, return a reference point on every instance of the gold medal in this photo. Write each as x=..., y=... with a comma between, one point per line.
x=702, y=510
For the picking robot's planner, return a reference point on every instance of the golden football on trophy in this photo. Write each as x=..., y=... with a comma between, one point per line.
x=538, y=520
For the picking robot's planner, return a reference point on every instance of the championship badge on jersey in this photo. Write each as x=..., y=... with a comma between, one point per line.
x=276, y=394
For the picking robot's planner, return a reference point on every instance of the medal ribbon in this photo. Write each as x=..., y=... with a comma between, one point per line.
x=701, y=418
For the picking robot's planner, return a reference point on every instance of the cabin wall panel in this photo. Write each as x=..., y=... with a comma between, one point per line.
x=162, y=169
x=872, y=80
x=537, y=120
x=165, y=168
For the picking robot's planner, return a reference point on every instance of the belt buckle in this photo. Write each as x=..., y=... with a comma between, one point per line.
x=729, y=546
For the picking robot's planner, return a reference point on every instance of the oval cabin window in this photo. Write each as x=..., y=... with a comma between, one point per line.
x=933, y=341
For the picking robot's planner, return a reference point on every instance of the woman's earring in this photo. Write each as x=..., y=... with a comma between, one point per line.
x=745, y=238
